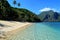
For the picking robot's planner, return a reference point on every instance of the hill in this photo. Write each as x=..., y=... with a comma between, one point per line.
x=49, y=16
x=16, y=14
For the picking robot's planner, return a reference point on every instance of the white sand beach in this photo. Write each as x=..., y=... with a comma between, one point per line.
x=8, y=28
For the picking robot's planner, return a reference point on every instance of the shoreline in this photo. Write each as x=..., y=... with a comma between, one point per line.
x=9, y=31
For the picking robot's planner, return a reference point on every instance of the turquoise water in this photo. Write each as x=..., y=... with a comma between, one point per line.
x=39, y=31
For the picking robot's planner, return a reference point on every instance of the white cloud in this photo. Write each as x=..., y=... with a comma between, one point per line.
x=47, y=9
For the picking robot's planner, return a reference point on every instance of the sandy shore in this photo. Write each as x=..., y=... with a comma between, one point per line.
x=9, y=28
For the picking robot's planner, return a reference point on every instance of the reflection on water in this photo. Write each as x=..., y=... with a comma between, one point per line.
x=39, y=31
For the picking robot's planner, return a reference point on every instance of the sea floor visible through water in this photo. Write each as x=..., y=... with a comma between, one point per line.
x=39, y=31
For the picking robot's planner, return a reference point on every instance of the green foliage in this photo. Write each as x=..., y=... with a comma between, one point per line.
x=26, y=15
x=18, y=4
x=16, y=14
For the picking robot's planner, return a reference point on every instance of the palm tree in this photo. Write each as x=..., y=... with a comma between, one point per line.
x=18, y=4
x=14, y=2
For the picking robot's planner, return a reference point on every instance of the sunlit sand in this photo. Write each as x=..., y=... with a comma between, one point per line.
x=8, y=28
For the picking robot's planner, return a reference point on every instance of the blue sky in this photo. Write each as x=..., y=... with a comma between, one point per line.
x=37, y=5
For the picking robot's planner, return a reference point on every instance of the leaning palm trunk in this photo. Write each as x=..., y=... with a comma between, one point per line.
x=14, y=2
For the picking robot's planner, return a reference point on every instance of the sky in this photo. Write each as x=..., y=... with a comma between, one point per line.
x=37, y=6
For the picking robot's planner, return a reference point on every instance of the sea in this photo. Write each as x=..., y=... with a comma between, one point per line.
x=39, y=31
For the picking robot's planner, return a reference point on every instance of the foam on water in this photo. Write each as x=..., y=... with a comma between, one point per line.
x=39, y=31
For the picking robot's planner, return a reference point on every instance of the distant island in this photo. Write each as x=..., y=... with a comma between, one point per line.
x=49, y=16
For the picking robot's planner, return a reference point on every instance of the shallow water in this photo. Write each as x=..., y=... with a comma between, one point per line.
x=39, y=31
